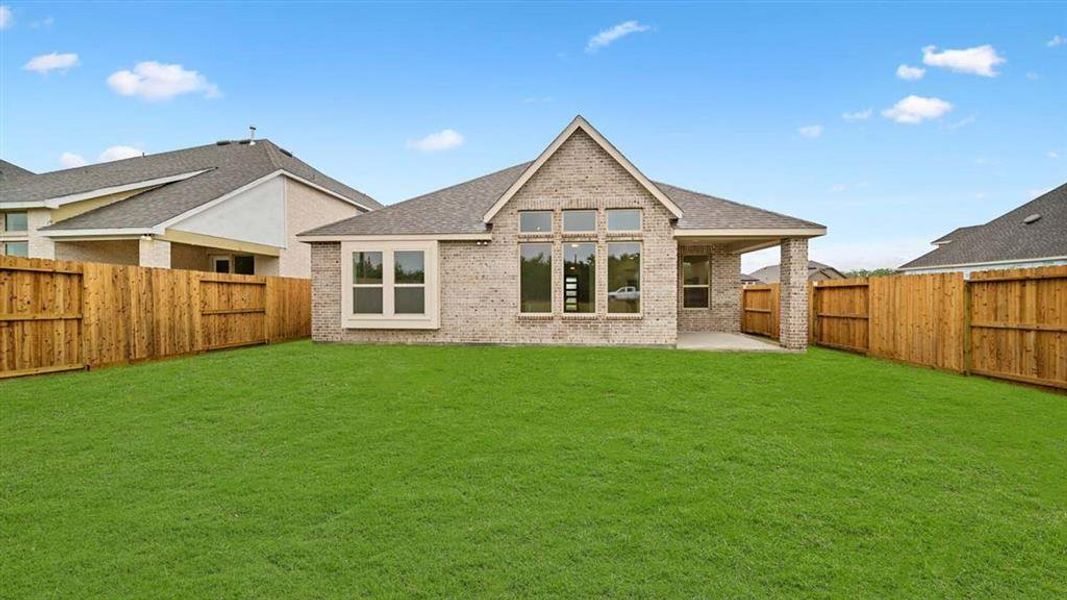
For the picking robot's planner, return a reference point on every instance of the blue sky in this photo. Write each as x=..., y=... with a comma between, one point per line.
x=737, y=100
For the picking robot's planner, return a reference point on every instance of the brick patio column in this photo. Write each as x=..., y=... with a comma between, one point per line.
x=794, y=294
x=153, y=253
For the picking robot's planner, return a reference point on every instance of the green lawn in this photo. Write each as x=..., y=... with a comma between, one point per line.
x=310, y=471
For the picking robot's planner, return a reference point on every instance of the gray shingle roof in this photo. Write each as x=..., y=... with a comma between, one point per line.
x=460, y=208
x=954, y=234
x=1007, y=237
x=10, y=170
x=226, y=168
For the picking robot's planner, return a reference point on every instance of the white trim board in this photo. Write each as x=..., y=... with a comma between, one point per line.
x=441, y=237
x=985, y=263
x=797, y=232
x=580, y=123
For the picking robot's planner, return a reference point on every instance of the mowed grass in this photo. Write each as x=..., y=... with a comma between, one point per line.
x=308, y=471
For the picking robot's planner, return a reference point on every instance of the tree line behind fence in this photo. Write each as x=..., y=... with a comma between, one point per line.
x=57, y=315
x=1010, y=324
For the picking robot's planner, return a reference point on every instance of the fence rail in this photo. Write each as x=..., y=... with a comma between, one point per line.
x=57, y=315
x=1010, y=324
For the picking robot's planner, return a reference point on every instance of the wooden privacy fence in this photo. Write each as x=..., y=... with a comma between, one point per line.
x=1010, y=324
x=57, y=316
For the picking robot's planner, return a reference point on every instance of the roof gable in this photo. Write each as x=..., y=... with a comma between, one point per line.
x=579, y=123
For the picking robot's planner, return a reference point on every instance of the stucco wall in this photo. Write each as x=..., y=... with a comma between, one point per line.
x=480, y=284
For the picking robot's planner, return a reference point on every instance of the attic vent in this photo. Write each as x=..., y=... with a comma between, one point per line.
x=1034, y=218
x=223, y=143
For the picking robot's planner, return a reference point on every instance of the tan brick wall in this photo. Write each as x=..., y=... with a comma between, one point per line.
x=116, y=252
x=305, y=208
x=724, y=314
x=794, y=294
x=480, y=284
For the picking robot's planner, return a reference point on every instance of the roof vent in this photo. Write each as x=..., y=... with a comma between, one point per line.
x=223, y=143
x=251, y=135
x=1034, y=218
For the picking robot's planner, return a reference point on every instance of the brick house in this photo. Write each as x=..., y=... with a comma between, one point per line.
x=576, y=247
x=231, y=206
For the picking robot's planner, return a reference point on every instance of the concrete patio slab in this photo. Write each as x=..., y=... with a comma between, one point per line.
x=714, y=341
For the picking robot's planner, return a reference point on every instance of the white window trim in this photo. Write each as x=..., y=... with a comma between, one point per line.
x=431, y=319
x=681, y=270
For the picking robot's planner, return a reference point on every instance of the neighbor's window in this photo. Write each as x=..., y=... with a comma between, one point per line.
x=535, y=221
x=579, y=278
x=579, y=220
x=409, y=282
x=624, y=219
x=696, y=279
x=535, y=278
x=624, y=277
x=367, y=283
x=17, y=249
x=244, y=264
x=15, y=221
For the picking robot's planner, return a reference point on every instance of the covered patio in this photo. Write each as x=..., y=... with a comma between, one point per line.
x=709, y=287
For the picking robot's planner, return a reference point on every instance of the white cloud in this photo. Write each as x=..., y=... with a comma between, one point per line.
x=608, y=36
x=859, y=115
x=980, y=60
x=810, y=131
x=446, y=139
x=916, y=109
x=537, y=100
x=6, y=18
x=1052, y=154
x=152, y=80
x=1032, y=76
x=119, y=153
x=1057, y=40
x=45, y=23
x=69, y=160
x=962, y=122
x=910, y=73
x=52, y=62
x=838, y=187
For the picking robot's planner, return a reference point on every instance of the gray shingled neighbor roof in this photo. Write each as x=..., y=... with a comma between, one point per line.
x=9, y=170
x=1007, y=237
x=459, y=209
x=773, y=274
x=954, y=234
x=226, y=167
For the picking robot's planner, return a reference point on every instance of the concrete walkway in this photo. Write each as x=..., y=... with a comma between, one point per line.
x=714, y=341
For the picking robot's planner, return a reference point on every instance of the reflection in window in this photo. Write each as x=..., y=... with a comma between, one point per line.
x=624, y=277
x=535, y=221
x=535, y=278
x=579, y=220
x=17, y=249
x=624, y=219
x=696, y=279
x=409, y=282
x=579, y=278
x=15, y=221
x=367, y=283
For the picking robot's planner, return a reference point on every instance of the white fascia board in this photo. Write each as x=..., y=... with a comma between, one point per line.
x=441, y=237
x=806, y=232
x=20, y=205
x=984, y=263
x=58, y=201
x=96, y=233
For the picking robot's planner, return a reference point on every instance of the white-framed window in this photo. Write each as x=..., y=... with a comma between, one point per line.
x=696, y=281
x=15, y=222
x=15, y=248
x=390, y=285
x=624, y=219
x=579, y=221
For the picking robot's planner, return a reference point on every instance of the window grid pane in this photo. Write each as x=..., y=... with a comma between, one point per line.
x=408, y=266
x=579, y=278
x=624, y=277
x=17, y=249
x=579, y=220
x=624, y=219
x=535, y=278
x=367, y=300
x=535, y=221
x=696, y=281
x=15, y=221
x=367, y=268
x=409, y=300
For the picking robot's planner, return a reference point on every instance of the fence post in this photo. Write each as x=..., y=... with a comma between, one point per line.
x=967, y=358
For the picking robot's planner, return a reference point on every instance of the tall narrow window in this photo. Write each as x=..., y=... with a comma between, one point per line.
x=696, y=279
x=535, y=221
x=624, y=277
x=579, y=221
x=624, y=219
x=409, y=282
x=367, y=283
x=535, y=274
x=15, y=221
x=579, y=278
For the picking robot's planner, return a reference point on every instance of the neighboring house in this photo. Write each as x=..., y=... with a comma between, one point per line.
x=1033, y=235
x=231, y=207
x=576, y=247
x=747, y=279
x=11, y=170
x=817, y=271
